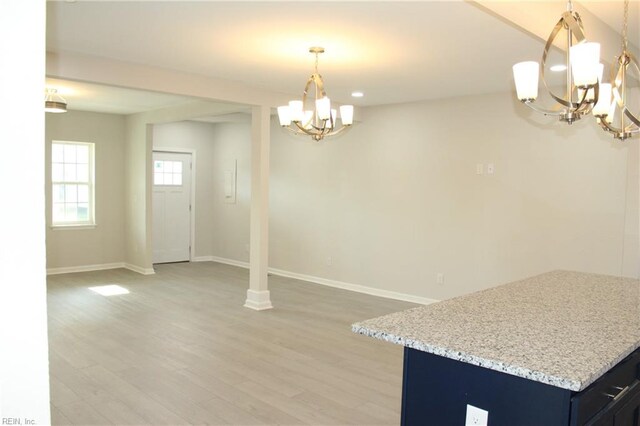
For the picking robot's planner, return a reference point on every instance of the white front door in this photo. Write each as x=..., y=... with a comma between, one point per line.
x=171, y=207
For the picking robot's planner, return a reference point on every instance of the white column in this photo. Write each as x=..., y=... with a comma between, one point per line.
x=258, y=294
x=24, y=361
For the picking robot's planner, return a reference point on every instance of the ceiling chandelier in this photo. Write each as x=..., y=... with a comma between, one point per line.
x=320, y=120
x=582, y=69
x=605, y=109
x=54, y=102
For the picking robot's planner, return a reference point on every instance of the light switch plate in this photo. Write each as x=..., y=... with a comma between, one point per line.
x=476, y=416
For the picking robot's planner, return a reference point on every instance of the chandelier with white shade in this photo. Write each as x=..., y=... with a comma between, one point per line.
x=320, y=120
x=627, y=124
x=582, y=72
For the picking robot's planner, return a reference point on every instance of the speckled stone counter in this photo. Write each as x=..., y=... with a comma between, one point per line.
x=561, y=328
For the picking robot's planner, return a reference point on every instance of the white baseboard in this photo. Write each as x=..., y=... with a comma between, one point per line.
x=140, y=270
x=354, y=287
x=84, y=268
x=232, y=262
x=242, y=264
x=331, y=283
x=202, y=259
x=100, y=267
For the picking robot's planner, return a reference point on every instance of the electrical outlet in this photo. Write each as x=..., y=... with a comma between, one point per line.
x=491, y=168
x=440, y=278
x=476, y=416
x=329, y=261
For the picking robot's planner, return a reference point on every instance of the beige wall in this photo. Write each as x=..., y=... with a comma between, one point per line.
x=198, y=137
x=390, y=206
x=138, y=151
x=232, y=141
x=138, y=183
x=103, y=244
x=397, y=200
x=222, y=229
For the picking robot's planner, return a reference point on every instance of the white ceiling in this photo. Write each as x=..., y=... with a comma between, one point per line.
x=112, y=100
x=392, y=51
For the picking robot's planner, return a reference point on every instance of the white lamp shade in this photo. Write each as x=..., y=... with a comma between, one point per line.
x=284, y=115
x=585, y=63
x=591, y=94
x=296, y=111
x=346, y=112
x=525, y=75
x=604, y=100
x=600, y=72
x=323, y=108
x=612, y=112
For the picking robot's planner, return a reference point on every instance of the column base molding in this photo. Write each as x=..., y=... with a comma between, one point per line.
x=258, y=300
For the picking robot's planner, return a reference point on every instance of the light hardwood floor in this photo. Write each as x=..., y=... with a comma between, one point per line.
x=181, y=349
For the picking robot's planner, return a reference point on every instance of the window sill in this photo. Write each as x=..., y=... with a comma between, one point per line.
x=72, y=227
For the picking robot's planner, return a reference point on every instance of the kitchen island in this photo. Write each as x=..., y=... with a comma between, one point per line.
x=558, y=348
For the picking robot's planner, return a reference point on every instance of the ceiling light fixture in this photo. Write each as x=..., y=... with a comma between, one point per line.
x=357, y=94
x=54, y=102
x=605, y=109
x=582, y=68
x=321, y=120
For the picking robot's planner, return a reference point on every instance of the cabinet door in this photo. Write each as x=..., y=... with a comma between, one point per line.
x=629, y=414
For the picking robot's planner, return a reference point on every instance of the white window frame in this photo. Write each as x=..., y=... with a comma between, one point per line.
x=91, y=221
x=165, y=174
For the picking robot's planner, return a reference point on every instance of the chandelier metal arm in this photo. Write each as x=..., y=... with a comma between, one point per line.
x=574, y=27
x=622, y=133
x=631, y=117
x=581, y=107
x=626, y=129
x=626, y=59
x=315, y=135
x=533, y=106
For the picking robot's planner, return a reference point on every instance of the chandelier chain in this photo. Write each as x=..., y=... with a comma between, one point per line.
x=625, y=26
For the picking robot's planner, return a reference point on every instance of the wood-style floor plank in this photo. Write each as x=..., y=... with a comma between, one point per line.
x=181, y=349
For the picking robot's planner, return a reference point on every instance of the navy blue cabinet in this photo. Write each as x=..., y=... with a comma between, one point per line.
x=436, y=391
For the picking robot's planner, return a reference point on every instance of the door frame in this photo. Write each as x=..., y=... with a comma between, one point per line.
x=192, y=195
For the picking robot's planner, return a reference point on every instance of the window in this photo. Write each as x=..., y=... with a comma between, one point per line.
x=72, y=192
x=167, y=172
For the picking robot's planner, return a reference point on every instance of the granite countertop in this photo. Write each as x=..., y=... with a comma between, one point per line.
x=562, y=328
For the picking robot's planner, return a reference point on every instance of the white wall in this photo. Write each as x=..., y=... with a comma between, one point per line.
x=138, y=164
x=232, y=141
x=103, y=244
x=24, y=375
x=138, y=150
x=397, y=199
